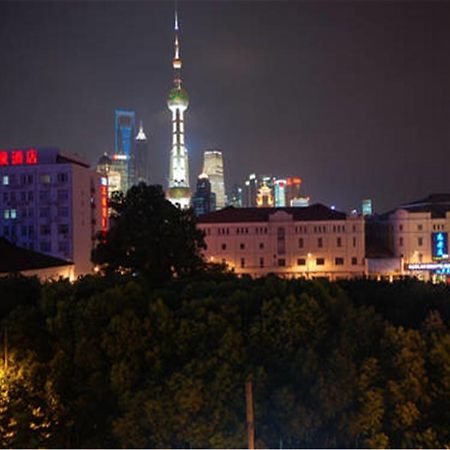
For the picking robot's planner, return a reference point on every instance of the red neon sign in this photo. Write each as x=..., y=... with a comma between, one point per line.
x=16, y=157
x=104, y=206
x=31, y=156
x=3, y=158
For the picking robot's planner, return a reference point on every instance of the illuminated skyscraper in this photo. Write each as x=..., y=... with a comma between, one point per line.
x=280, y=192
x=293, y=185
x=204, y=200
x=250, y=191
x=124, y=152
x=367, y=207
x=178, y=101
x=213, y=167
x=141, y=156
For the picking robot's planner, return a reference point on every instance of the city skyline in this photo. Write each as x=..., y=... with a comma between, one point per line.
x=354, y=98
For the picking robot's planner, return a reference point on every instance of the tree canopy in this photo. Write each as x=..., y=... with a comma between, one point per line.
x=150, y=236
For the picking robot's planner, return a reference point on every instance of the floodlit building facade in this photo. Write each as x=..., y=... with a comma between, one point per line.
x=124, y=160
x=52, y=203
x=213, y=167
x=307, y=242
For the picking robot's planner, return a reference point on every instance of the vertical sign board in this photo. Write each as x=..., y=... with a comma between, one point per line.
x=439, y=242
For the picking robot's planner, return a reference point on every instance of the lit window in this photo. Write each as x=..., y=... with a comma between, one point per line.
x=5, y=180
x=6, y=214
x=45, y=179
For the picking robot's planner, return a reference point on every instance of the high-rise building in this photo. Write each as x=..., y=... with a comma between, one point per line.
x=367, y=207
x=293, y=185
x=141, y=156
x=235, y=198
x=53, y=203
x=204, y=200
x=280, y=192
x=213, y=167
x=178, y=101
x=124, y=151
x=250, y=191
x=264, y=198
x=107, y=168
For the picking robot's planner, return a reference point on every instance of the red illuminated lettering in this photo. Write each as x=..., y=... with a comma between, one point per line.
x=16, y=157
x=31, y=156
x=3, y=158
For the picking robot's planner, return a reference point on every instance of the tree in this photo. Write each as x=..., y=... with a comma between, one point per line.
x=151, y=237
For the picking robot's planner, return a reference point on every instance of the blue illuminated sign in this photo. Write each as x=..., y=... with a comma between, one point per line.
x=439, y=243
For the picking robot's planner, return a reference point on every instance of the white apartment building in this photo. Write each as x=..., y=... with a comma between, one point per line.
x=417, y=234
x=309, y=242
x=52, y=203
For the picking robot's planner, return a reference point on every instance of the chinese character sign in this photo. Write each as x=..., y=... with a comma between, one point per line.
x=18, y=157
x=439, y=245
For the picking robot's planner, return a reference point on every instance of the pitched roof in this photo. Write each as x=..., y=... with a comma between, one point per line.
x=17, y=259
x=230, y=214
x=436, y=204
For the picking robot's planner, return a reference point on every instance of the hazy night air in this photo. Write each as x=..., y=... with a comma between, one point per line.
x=352, y=97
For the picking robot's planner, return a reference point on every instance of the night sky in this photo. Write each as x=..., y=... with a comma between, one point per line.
x=353, y=97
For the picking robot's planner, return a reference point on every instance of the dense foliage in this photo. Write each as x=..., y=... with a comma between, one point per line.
x=110, y=362
x=151, y=237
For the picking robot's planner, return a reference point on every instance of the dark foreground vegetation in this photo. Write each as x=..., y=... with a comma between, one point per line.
x=111, y=363
x=131, y=359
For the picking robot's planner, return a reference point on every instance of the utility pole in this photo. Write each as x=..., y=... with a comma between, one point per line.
x=5, y=350
x=250, y=417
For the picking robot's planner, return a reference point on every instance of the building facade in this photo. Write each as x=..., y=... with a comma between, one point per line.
x=141, y=157
x=52, y=203
x=296, y=242
x=124, y=147
x=213, y=167
x=204, y=200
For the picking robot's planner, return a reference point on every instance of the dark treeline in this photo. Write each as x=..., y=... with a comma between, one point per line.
x=109, y=362
x=155, y=351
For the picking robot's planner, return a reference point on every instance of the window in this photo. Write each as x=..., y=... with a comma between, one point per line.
x=30, y=196
x=420, y=227
x=44, y=212
x=5, y=231
x=281, y=262
x=320, y=261
x=242, y=246
x=400, y=242
x=420, y=241
x=5, y=197
x=339, y=242
x=45, y=230
x=12, y=213
x=44, y=246
x=320, y=242
x=261, y=262
x=301, y=262
x=224, y=246
x=5, y=180
x=339, y=261
x=63, y=195
x=261, y=245
x=23, y=230
x=281, y=240
x=354, y=261
x=242, y=262
x=44, y=196
x=63, y=228
x=45, y=179
x=63, y=247
x=6, y=214
x=354, y=241
x=400, y=227
x=63, y=211
x=300, y=243
x=23, y=196
x=62, y=177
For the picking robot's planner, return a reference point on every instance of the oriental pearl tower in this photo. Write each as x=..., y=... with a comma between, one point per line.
x=177, y=101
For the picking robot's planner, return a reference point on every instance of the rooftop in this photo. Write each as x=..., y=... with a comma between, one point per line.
x=437, y=204
x=230, y=214
x=17, y=259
